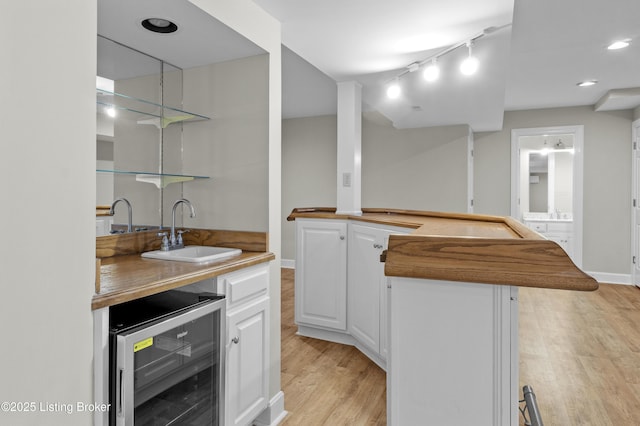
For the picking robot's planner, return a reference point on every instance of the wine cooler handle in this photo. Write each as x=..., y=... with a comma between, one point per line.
x=121, y=393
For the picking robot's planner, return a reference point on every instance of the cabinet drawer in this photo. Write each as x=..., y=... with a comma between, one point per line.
x=559, y=227
x=243, y=286
x=538, y=226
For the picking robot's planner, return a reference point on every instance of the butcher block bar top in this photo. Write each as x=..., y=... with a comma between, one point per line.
x=469, y=248
x=123, y=275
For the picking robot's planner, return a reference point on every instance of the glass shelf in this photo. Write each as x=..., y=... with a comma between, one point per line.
x=142, y=111
x=161, y=180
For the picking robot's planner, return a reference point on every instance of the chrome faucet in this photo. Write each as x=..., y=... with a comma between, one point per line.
x=176, y=242
x=112, y=210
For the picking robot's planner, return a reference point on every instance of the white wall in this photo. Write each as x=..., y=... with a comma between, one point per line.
x=47, y=184
x=309, y=169
x=426, y=169
x=607, y=178
x=400, y=168
x=422, y=169
x=232, y=147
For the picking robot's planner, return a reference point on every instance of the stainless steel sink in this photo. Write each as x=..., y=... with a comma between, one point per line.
x=194, y=254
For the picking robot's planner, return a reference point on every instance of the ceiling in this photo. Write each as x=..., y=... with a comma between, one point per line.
x=532, y=56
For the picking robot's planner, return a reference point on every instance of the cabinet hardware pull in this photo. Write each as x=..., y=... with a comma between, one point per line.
x=121, y=396
x=235, y=340
x=342, y=237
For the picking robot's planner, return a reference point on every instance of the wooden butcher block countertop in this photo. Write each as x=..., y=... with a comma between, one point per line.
x=123, y=275
x=469, y=248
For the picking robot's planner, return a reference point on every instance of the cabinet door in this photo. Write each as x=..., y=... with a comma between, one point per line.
x=246, y=364
x=365, y=274
x=563, y=240
x=321, y=273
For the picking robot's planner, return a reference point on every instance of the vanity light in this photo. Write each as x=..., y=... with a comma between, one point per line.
x=470, y=65
x=159, y=25
x=587, y=83
x=432, y=71
x=619, y=44
x=394, y=90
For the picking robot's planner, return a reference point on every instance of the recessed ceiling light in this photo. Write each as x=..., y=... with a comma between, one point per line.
x=587, y=83
x=159, y=25
x=618, y=44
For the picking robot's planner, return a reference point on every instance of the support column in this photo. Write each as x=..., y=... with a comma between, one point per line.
x=349, y=148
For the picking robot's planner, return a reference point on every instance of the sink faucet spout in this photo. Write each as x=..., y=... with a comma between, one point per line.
x=130, y=212
x=174, y=243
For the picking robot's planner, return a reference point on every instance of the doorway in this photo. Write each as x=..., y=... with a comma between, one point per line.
x=546, y=183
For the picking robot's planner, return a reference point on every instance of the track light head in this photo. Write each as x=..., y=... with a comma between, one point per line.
x=432, y=71
x=471, y=64
x=394, y=90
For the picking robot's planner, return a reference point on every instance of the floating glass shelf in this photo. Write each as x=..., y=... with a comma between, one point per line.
x=161, y=180
x=142, y=111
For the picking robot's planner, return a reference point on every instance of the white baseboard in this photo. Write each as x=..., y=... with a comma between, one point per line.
x=609, y=278
x=274, y=413
x=288, y=263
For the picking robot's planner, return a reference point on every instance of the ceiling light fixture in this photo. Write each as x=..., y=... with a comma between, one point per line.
x=159, y=25
x=470, y=65
x=587, y=83
x=432, y=71
x=619, y=44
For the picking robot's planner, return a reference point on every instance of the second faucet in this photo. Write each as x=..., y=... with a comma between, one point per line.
x=176, y=242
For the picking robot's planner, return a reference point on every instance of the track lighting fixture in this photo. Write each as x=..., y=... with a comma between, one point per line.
x=394, y=90
x=432, y=72
x=619, y=44
x=470, y=65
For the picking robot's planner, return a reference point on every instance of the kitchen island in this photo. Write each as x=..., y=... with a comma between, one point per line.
x=122, y=275
x=441, y=314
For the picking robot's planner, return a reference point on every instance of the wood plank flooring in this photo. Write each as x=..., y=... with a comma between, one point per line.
x=580, y=351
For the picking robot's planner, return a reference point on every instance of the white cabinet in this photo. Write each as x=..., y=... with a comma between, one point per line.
x=247, y=344
x=367, y=286
x=321, y=274
x=558, y=231
x=453, y=353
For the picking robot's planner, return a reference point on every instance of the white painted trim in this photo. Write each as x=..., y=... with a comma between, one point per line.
x=341, y=337
x=635, y=138
x=578, y=177
x=470, y=168
x=101, y=364
x=610, y=278
x=274, y=413
x=288, y=263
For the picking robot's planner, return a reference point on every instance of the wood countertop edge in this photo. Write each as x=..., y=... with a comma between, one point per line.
x=115, y=297
x=330, y=213
x=520, y=262
x=528, y=261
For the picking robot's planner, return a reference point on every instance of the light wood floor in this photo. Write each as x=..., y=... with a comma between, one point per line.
x=579, y=351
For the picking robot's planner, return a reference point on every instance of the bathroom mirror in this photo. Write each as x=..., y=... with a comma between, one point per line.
x=547, y=181
x=547, y=171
